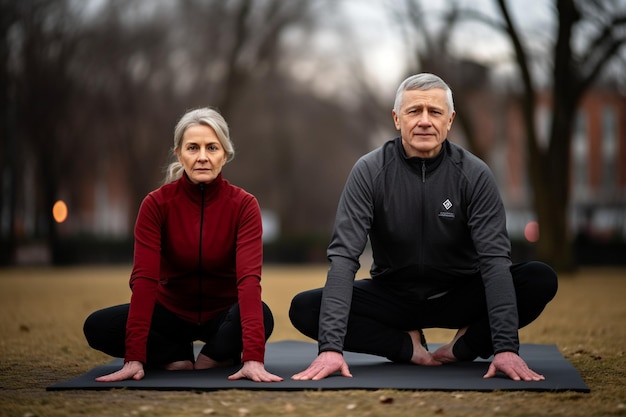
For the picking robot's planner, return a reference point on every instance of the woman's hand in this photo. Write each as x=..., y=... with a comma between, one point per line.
x=256, y=372
x=131, y=370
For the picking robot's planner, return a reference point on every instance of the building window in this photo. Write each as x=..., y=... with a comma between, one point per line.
x=543, y=119
x=580, y=149
x=609, y=150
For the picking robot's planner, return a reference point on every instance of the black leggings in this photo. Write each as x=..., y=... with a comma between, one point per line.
x=379, y=320
x=171, y=338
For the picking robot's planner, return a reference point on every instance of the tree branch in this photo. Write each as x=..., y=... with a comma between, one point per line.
x=608, y=51
x=528, y=104
x=474, y=15
x=606, y=35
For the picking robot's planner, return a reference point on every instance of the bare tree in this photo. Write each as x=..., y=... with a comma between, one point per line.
x=8, y=142
x=97, y=94
x=139, y=77
x=129, y=93
x=246, y=82
x=42, y=48
x=574, y=70
x=234, y=43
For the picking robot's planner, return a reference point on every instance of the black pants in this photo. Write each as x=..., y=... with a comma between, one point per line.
x=171, y=338
x=379, y=319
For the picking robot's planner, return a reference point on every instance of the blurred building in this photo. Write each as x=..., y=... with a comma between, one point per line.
x=598, y=166
x=102, y=211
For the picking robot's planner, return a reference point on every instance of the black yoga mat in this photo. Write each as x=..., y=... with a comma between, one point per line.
x=286, y=358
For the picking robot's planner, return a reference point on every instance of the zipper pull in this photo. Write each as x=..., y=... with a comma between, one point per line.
x=423, y=171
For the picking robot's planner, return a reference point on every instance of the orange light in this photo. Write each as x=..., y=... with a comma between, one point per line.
x=59, y=211
x=531, y=232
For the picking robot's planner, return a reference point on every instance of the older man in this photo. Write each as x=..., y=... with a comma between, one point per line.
x=441, y=254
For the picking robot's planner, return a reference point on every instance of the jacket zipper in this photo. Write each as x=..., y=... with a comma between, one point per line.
x=423, y=197
x=200, y=254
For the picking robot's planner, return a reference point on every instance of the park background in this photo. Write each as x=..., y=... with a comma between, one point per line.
x=91, y=91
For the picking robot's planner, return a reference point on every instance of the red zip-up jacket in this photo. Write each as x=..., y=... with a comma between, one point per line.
x=198, y=250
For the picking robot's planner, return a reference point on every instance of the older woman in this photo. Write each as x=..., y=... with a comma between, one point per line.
x=196, y=271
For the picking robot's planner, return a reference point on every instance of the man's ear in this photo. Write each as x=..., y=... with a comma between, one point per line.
x=451, y=120
x=395, y=119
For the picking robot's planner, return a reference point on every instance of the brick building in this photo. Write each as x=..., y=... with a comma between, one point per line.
x=598, y=165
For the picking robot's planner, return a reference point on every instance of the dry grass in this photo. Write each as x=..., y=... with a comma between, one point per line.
x=42, y=311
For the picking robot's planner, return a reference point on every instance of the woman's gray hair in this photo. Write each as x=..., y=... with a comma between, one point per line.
x=202, y=116
x=423, y=81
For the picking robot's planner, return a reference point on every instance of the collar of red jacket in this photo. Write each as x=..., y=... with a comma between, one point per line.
x=197, y=191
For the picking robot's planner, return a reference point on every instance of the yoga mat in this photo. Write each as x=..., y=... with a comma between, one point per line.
x=286, y=358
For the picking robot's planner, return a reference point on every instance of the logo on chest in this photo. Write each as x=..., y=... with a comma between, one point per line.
x=447, y=214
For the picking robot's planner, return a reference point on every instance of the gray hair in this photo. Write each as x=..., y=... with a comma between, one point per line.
x=423, y=81
x=202, y=116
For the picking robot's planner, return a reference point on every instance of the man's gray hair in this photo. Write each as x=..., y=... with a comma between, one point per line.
x=423, y=81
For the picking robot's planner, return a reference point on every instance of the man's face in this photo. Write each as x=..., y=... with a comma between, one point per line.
x=424, y=121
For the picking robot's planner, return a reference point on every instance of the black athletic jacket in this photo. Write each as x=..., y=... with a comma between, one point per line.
x=431, y=223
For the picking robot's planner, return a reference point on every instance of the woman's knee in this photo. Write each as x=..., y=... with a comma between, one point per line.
x=268, y=321
x=90, y=328
x=102, y=328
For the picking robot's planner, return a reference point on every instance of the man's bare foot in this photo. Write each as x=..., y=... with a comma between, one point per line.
x=204, y=362
x=420, y=355
x=179, y=366
x=444, y=353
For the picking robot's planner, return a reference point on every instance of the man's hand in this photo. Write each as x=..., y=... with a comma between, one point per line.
x=325, y=364
x=256, y=372
x=513, y=366
x=131, y=370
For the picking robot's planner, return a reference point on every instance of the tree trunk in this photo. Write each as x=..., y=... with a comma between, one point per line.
x=555, y=244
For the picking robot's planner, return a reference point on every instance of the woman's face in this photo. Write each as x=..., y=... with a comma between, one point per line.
x=201, y=154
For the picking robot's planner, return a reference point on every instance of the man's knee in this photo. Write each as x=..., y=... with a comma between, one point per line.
x=541, y=279
x=548, y=280
x=304, y=311
x=297, y=309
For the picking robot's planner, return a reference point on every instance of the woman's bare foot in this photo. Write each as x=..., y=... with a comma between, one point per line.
x=204, y=362
x=420, y=355
x=179, y=366
x=444, y=353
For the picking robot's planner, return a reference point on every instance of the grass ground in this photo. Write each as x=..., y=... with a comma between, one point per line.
x=42, y=311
